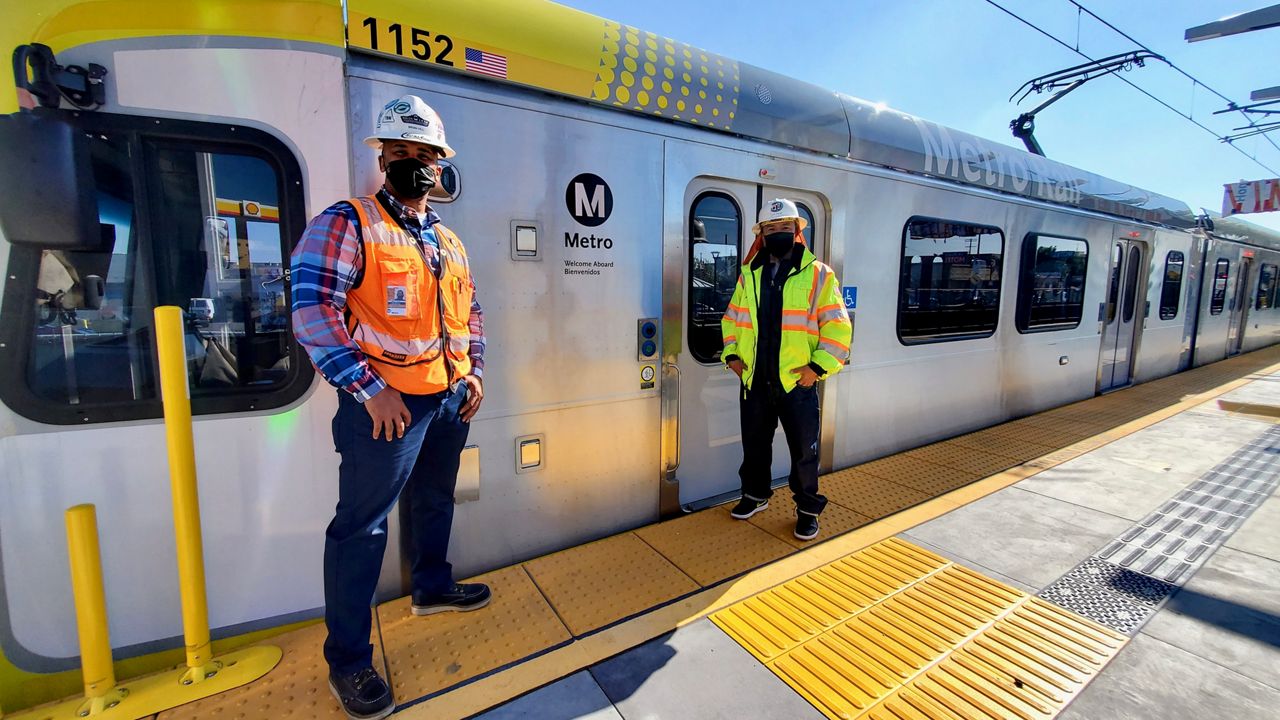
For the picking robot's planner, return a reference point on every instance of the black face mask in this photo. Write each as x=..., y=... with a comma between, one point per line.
x=779, y=243
x=410, y=177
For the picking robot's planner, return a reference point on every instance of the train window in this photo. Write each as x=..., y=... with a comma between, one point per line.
x=1113, y=292
x=1171, y=290
x=807, y=214
x=205, y=225
x=1266, y=297
x=1051, y=287
x=1218, y=298
x=949, y=284
x=715, y=225
x=1131, y=283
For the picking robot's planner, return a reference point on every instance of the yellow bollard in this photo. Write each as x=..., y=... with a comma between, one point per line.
x=204, y=675
x=91, y=611
x=176, y=393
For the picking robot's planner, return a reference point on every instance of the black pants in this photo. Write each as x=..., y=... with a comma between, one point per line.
x=761, y=409
x=371, y=476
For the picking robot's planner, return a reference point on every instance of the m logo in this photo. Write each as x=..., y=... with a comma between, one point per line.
x=589, y=199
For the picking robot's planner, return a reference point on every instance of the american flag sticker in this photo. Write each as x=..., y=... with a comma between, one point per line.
x=487, y=63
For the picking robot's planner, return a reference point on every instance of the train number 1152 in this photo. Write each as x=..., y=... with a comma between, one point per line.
x=419, y=40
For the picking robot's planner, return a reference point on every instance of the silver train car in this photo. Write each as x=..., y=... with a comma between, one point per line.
x=605, y=233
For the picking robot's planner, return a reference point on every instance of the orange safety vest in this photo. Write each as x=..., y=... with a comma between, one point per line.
x=410, y=324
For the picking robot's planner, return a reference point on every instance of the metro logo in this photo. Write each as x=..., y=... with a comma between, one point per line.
x=589, y=199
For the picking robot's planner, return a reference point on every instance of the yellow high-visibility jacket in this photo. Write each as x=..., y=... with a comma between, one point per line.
x=815, y=325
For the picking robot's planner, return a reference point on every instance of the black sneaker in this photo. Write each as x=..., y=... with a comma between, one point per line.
x=806, y=526
x=747, y=507
x=363, y=694
x=459, y=598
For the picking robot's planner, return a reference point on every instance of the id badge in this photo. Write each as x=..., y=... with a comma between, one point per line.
x=397, y=301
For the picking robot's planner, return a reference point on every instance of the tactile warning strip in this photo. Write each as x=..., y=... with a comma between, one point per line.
x=1126, y=582
x=897, y=632
x=712, y=546
x=296, y=689
x=779, y=520
x=594, y=585
x=894, y=631
x=432, y=653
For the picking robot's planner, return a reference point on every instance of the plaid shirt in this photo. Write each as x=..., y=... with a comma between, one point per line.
x=326, y=262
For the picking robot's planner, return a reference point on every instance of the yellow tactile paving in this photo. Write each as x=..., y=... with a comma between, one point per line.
x=297, y=688
x=926, y=477
x=430, y=653
x=894, y=467
x=867, y=494
x=991, y=441
x=712, y=546
x=981, y=463
x=895, y=632
x=1045, y=434
x=780, y=619
x=593, y=585
x=779, y=520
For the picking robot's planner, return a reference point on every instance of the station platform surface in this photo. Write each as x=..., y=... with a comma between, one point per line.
x=1117, y=557
x=1162, y=619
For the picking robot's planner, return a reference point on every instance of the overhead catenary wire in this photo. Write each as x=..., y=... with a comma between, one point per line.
x=1181, y=114
x=1195, y=81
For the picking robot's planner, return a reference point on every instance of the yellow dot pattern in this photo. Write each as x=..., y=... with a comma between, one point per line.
x=645, y=72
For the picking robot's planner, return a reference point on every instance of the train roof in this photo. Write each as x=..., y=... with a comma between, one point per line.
x=551, y=47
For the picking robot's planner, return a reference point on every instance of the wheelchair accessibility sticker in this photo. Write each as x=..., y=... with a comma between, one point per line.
x=850, y=297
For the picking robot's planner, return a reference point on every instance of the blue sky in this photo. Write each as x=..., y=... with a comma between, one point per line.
x=956, y=62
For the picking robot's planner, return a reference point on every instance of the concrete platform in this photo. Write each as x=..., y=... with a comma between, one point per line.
x=1212, y=649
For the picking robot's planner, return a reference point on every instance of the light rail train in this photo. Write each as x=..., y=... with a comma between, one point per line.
x=605, y=184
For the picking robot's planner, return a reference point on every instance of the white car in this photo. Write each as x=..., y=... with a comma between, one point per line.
x=201, y=310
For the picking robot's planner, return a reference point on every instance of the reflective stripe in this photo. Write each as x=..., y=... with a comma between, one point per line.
x=825, y=316
x=730, y=339
x=807, y=329
x=796, y=317
x=837, y=349
x=367, y=335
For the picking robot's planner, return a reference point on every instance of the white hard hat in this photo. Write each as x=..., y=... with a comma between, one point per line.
x=779, y=209
x=409, y=118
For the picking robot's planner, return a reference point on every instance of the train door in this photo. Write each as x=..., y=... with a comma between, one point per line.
x=718, y=215
x=1123, y=314
x=1239, y=307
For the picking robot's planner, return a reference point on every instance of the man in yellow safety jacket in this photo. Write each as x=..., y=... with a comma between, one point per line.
x=384, y=303
x=785, y=329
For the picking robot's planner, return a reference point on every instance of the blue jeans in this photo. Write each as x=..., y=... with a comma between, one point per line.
x=371, y=476
x=761, y=408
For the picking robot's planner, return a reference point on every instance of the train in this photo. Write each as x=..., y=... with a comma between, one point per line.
x=605, y=184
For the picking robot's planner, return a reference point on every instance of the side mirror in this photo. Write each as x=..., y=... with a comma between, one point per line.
x=47, y=192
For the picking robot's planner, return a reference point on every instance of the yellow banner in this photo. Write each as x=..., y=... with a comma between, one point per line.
x=552, y=47
x=538, y=44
